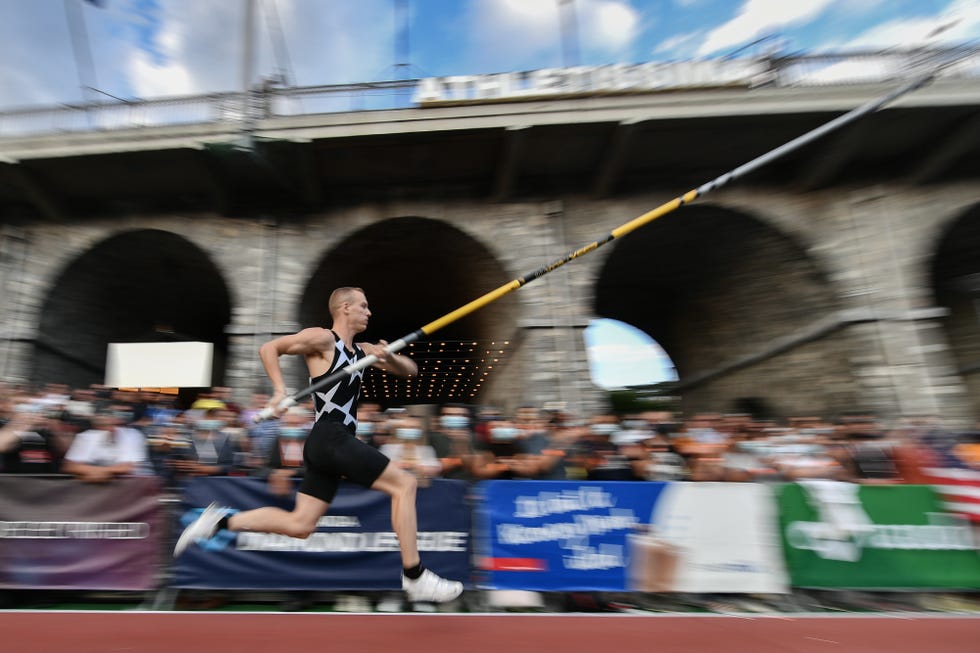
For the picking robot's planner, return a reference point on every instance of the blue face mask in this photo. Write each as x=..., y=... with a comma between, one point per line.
x=365, y=428
x=292, y=432
x=503, y=434
x=209, y=424
x=454, y=421
x=604, y=429
x=408, y=434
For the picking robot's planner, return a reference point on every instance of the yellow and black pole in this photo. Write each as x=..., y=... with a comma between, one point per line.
x=618, y=232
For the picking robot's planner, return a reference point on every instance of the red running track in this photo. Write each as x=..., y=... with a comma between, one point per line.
x=201, y=632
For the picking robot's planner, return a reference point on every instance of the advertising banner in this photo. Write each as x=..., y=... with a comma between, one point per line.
x=353, y=548
x=618, y=536
x=844, y=535
x=59, y=533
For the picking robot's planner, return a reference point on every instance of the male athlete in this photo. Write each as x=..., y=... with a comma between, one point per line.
x=332, y=451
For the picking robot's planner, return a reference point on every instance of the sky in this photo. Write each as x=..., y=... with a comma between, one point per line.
x=160, y=48
x=50, y=50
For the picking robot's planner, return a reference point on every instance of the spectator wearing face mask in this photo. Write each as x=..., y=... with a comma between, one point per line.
x=408, y=450
x=452, y=440
x=215, y=442
x=285, y=460
x=368, y=417
x=602, y=457
x=500, y=457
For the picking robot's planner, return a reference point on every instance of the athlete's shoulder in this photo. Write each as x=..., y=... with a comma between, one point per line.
x=318, y=336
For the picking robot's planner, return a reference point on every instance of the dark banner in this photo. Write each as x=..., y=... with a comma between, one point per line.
x=59, y=533
x=353, y=548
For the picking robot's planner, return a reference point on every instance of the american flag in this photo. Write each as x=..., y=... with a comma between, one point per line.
x=959, y=489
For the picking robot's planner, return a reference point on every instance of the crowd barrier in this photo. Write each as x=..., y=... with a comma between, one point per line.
x=58, y=533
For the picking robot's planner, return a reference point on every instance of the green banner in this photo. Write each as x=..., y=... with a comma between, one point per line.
x=844, y=535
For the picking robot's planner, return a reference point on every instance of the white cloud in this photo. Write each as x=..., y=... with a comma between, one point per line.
x=679, y=45
x=203, y=45
x=958, y=23
x=757, y=17
x=608, y=25
x=523, y=34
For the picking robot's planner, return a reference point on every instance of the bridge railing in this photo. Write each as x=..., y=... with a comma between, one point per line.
x=240, y=108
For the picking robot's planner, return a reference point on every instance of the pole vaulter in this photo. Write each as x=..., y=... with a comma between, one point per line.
x=618, y=232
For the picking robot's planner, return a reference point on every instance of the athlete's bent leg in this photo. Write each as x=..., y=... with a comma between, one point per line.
x=400, y=486
x=300, y=522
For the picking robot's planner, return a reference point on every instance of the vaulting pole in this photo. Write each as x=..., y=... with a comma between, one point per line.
x=618, y=232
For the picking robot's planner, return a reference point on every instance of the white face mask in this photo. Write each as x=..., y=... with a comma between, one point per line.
x=503, y=434
x=454, y=421
x=408, y=434
x=604, y=429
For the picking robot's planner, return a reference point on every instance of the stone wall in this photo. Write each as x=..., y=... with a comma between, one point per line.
x=860, y=258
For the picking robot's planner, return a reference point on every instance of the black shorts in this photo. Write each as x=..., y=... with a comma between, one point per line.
x=332, y=453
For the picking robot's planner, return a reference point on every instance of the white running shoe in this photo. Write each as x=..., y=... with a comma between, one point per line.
x=430, y=587
x=202, y=528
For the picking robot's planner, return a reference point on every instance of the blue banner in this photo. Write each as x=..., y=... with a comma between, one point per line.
x=558, y=535
x=353, y=548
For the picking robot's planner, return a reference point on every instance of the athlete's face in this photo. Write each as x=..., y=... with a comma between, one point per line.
x=358, y=311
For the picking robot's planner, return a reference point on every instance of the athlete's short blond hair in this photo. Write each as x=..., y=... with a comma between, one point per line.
x=341, y=296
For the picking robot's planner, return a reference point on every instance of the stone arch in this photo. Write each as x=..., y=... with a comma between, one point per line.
x=145, y=285
x=413, y=271
x=736, y=304
x=955, y=282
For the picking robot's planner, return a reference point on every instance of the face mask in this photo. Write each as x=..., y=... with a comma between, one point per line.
x=123, y=415
x=408, y=434
x=454, y=421
x=503, y=434
x=604, y=429
x=292, y=432
x=209, y=424
x=365, y=428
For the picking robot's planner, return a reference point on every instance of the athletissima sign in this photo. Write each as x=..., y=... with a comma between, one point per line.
x=588, y=80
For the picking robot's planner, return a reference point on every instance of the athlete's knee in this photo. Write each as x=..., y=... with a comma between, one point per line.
x=406, y=483
x=301, y=528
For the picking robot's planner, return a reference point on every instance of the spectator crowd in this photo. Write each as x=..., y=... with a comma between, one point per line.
x=99, y=433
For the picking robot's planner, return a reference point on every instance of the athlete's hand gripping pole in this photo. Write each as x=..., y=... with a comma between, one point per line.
x=364, y=363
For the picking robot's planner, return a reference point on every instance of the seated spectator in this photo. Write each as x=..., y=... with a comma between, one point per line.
x=661, y=461
x=28, y=444
x=499, y=456
x=368, y=416
x=79, y=410
x=543, y=454
x=868, y=449
x=604, y=461
x=109, y=450
x=169, y=444
x=408, y=450
x=216, y=445
x=452, y=440
x=285, y=464
x=262, y=434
